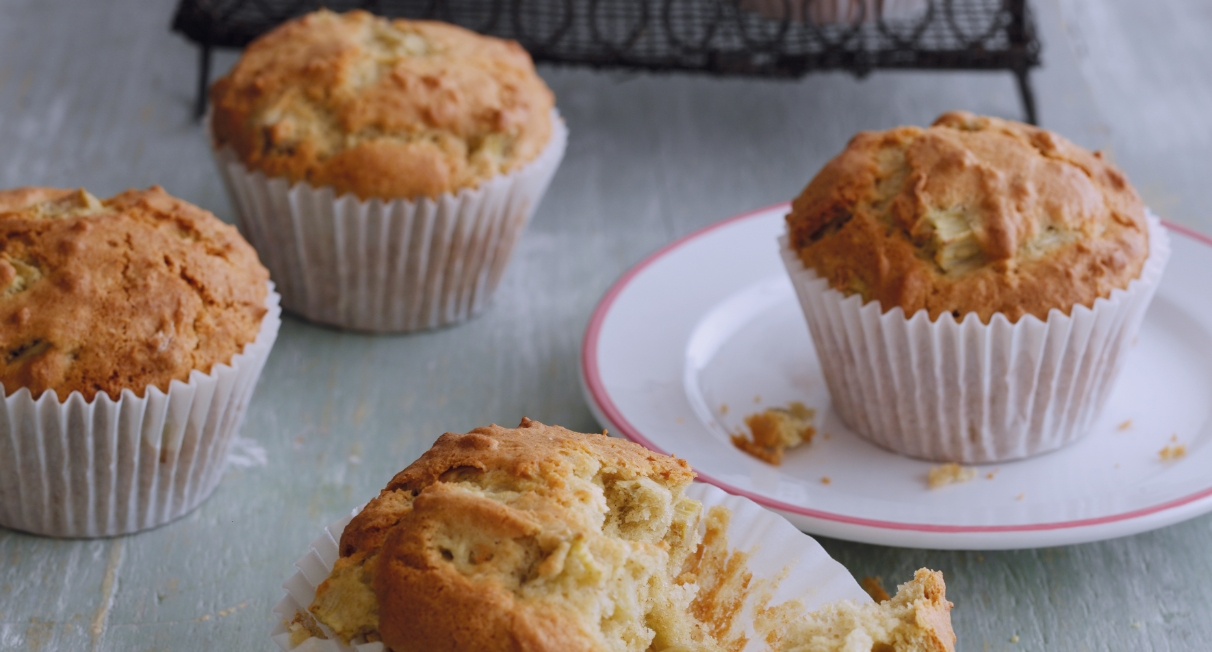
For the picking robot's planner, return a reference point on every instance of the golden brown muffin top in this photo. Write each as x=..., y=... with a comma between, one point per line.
x=133, y=291
x=378, y=108
x=534, y=538
x=973, y=214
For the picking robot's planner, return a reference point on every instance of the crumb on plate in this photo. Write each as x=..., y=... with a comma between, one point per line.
x=773, y=431
x=1125, y=425
x=1170, y=453
x=950, y=473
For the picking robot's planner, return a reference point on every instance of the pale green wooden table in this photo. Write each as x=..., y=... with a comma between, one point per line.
x=98, y=94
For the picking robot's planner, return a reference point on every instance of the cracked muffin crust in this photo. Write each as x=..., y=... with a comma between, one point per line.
x=542, y=539
x=379, y=108
x=98, y=296
x=553, y=540
x=972, y=215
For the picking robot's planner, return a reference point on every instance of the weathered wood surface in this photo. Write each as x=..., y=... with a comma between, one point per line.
x=98, y=94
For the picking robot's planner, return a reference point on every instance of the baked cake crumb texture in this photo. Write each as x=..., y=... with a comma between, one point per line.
x=303, y=627
x=543, y=539
x=555, y=540
x=773, y=431
x=916, y=619
x=950, y=473
x=1172, y=452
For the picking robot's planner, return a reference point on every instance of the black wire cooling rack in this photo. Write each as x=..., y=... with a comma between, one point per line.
x=771, y=38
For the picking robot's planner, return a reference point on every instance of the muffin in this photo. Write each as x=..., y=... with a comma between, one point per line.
x=384, y=169
x=135, y=327
x=970, y=287
x=558, y=540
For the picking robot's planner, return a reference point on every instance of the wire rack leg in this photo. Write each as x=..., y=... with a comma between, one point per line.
x=203, y=81
x=1026, y=94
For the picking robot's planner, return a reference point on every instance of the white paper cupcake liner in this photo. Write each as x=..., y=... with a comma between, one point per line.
x=79, y=469
x=799, y=565
x=388, y=266
x=972, y=392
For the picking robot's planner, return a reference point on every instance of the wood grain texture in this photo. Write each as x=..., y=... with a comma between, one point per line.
x=98, y=94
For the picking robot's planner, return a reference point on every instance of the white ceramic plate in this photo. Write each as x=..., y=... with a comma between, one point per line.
x=708, y=330
x=802, y=568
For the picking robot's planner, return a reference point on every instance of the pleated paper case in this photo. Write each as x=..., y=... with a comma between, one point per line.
x=76, y=468
x=388, y=266
x=968, y=391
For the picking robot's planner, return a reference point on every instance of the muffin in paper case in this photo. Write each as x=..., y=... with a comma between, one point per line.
x=76, y=468
x=388, y=266
x=968, y=391
x=785, y=557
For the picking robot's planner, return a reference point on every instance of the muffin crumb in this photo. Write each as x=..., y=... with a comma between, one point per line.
x=1125, y=425
x=950, y=473
x=1172, y=452
x=302, y=627
x=917, y=618
x=773, y=431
